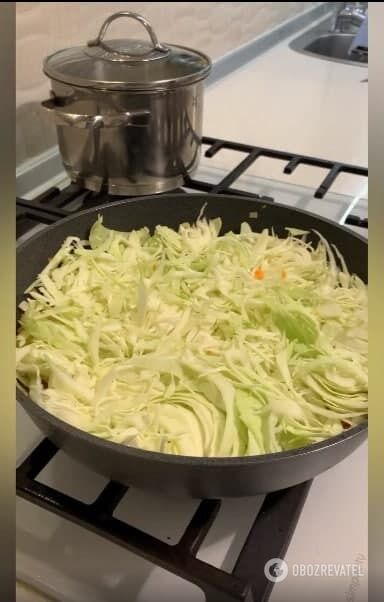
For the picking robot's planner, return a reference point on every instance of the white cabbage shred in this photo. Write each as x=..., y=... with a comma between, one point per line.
x=197, y=344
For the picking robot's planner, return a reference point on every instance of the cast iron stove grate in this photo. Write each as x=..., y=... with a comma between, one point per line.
x=268, y=537
x=54, y=204
x=275, y=522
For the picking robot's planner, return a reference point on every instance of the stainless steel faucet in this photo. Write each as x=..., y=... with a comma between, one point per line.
x=350, y=17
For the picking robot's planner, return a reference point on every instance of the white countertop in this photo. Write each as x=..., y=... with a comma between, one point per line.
x=288, y=101
x=294, y=102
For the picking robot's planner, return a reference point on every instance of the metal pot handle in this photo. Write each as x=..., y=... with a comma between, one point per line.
x=139, y=117
x=156, y=45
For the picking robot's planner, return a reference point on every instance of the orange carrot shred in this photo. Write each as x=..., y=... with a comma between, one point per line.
x=258, y=274
x=283, y=274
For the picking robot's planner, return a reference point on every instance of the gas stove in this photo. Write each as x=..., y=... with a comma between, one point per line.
x=102, y=541
x=58, y=202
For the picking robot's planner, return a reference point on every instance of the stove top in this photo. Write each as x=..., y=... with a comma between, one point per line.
x=185, y=525
x=56, y=203
x=115, y=540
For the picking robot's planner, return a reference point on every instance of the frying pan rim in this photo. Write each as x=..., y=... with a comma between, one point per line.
x=214, y=462
x=260, y=202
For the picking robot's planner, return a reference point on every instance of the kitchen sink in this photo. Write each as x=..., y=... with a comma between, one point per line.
x=335, y=46
x=321, y=43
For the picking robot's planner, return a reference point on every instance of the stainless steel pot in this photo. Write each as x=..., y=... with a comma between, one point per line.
x=128, y=112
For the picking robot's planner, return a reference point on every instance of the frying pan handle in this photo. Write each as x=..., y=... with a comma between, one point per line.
x=61, y=117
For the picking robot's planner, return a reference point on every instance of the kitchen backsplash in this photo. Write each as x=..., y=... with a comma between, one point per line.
x=43, y=27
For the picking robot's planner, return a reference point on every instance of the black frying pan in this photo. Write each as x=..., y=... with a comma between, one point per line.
x=196, y=477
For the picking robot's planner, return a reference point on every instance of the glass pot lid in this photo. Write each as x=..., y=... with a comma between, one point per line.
x=127, y=64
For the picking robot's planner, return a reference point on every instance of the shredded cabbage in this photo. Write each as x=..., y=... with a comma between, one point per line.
x=197, y=344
